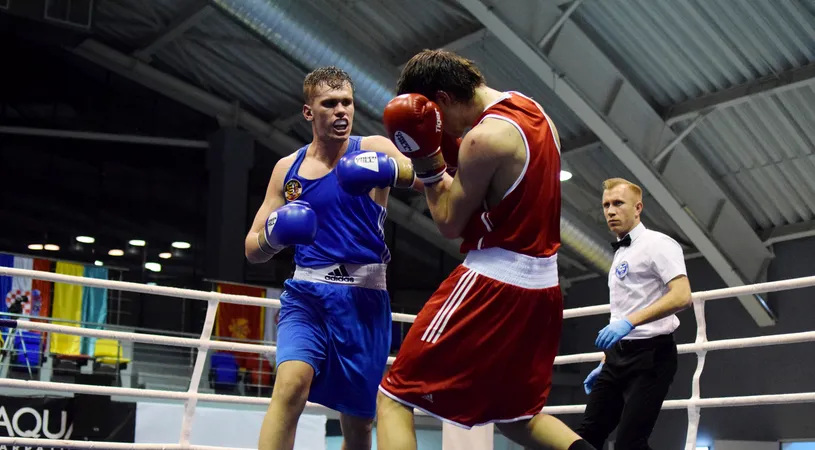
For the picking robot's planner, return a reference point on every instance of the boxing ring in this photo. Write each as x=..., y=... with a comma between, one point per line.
x=694, y=404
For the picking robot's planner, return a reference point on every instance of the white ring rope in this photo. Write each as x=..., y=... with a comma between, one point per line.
x=167, y=291
x=701, y=346
x=57, y=443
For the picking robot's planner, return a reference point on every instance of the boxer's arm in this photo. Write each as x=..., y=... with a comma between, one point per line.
x=274, y=199
x=454, y=199
x=382, y=144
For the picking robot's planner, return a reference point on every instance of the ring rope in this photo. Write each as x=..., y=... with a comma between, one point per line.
x=168, y=291
x=701, y=346
x=57, y=443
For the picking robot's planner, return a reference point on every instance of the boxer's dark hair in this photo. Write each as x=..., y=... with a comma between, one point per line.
x=431, y=71
x=332, y=76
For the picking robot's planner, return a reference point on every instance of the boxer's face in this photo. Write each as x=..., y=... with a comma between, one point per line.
x=454, y=114
x=331, y=112
x=621, y=208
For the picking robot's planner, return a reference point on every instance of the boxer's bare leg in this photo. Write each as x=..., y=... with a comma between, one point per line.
x=394, y=425
x=356, y=432
x=540, y=432
x=289, y=396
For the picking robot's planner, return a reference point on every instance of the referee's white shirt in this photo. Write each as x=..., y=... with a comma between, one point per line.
x=639, y=276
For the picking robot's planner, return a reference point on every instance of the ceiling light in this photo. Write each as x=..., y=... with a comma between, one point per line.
x=35, y=246
x=116, y=252
x=137, y=243
x=165, y=255
x=181, y=244
x=98, y=263
x=153, y=266
x=52, y=247
x=85, y=239
x=565, y=175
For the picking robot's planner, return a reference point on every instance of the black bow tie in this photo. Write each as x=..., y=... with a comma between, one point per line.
x=624, y=242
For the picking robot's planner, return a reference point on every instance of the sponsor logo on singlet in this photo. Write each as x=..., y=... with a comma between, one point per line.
x=340, y=275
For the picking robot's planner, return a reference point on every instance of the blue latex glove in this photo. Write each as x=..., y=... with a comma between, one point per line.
x=612, y=333
x=588, y=383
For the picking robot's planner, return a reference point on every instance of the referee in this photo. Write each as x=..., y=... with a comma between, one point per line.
x=648, y=285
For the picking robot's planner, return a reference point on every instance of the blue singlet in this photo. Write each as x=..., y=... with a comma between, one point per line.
x=335, y=312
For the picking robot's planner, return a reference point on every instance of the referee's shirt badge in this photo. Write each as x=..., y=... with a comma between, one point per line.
x=622, y=270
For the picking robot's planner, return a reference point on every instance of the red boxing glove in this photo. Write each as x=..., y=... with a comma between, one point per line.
x=414, y=124
x=449, y=150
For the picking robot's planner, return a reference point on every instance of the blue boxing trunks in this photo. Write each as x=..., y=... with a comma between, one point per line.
x=338, y=320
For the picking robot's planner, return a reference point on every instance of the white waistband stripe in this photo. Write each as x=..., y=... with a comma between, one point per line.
x=514, y=268
x=371, y=276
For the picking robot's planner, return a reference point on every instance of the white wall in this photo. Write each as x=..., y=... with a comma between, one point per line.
x=160, y=423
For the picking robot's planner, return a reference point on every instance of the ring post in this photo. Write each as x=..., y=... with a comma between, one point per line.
x=197, y=372
x=694, y=412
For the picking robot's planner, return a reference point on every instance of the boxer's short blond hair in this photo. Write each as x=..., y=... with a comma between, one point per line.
x=332, y=76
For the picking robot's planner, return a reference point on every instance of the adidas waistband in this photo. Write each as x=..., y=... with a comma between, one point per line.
x=371, y=276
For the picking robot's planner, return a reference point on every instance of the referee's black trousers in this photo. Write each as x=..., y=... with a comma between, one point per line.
x=629, y=391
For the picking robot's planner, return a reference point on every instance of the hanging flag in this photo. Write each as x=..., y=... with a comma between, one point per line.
x=19, y=299
x=94, y=307
x=42, y=289
x=67, y=305
x=240, y=322
x=5, y=282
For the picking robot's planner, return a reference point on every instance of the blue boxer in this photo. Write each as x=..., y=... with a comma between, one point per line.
x=335, y=311
x=334, y=330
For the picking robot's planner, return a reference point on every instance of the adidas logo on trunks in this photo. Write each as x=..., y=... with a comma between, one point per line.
x=341, y=275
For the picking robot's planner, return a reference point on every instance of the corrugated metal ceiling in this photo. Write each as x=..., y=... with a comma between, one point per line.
x=764, y=152
x=761, y=151
x=677, y=50
x=505, y=72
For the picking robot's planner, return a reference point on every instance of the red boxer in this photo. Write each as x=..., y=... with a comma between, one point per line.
x=482, y=348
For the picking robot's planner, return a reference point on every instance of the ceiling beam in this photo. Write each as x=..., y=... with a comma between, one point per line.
x=108, y=137
x=189, y=18
x=589, y=84
x=791, y=232
x=770, y=85
x=274, y=139
x=726, y=98
x=456, y=45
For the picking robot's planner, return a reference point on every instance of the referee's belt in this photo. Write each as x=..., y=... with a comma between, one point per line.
x=627, y=345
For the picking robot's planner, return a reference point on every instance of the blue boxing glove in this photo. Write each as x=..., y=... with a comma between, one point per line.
x=294, y=223
x=359, y=172
x=612, y=333
x=588, y=383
